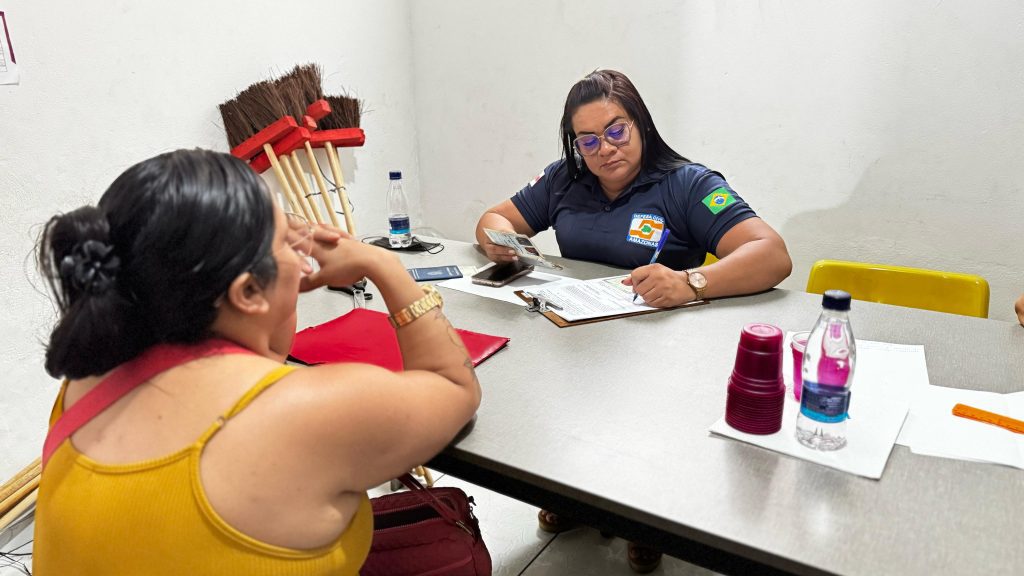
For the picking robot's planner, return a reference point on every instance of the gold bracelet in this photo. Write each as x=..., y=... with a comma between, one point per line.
x=431, y=299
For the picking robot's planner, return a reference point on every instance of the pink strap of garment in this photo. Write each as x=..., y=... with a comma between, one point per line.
x=126, y=378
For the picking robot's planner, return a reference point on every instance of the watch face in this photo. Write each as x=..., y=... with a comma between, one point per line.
x=697, y=280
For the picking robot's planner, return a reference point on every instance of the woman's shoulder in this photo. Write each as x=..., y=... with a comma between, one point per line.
x=691, y=170
x=693, y=176
x=556, y=174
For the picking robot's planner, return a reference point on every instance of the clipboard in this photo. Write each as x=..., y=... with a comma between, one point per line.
x=563, y=323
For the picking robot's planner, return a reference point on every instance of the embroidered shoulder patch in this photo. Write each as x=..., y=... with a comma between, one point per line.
x=718, y=200
x=646, y=229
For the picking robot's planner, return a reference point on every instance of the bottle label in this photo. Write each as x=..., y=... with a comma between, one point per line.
x=827, y=404
x=399, y=225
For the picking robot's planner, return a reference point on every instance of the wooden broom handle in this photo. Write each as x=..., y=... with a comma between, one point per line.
x=300, y=175
x=17, y=510
x=287, y=167
x=314, y=166
x=339, y=182
x=11, y=500
x=21, y=478
x=282, y=181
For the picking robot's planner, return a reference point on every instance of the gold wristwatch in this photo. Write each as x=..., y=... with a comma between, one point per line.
x=431, y=299
x=698, y=282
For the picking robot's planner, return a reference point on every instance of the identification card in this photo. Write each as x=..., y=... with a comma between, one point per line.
x=433, y=273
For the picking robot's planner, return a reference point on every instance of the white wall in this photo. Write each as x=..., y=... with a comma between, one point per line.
x=874, y=131
x=107, y=84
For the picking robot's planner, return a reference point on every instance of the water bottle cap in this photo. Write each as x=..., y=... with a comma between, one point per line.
x=836, y=300
x=394, y=175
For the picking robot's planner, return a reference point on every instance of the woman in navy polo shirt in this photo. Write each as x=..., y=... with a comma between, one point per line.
x=618, y=188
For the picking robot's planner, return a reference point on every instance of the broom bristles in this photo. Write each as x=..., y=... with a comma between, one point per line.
x=290, y=92
x=263, y=103
x=235, y=124
x=345, y=113
x=310, y=80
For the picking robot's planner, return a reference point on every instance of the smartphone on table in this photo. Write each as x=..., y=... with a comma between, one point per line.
x=501, y=274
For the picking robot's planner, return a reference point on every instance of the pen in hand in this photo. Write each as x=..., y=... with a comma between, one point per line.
x=654, y=257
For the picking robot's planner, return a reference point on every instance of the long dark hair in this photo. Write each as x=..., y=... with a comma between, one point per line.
x=613, y=85
x=148, y=263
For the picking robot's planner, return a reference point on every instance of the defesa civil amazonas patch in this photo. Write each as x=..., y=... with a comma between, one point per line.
x=646, y=229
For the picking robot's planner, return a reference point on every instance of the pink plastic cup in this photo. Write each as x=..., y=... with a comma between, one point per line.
x=759, y=354
x=798, y=345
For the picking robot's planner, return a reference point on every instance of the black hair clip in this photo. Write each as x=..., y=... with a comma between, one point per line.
x=91, y=267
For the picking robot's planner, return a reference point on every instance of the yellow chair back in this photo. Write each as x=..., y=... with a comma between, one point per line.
x=709, y=259
x=952, y=292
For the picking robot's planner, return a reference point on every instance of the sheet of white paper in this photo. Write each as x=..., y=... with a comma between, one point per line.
x=506, y=293
x=8, y=68
x=883, y=383
x=933, y=430
x=597, y=298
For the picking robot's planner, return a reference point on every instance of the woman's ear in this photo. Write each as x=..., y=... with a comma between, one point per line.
x=246, y=295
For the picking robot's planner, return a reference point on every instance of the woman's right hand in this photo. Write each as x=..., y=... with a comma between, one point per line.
x=504, y=217
x=498, y=253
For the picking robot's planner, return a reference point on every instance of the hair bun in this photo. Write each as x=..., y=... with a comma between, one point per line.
x=91, y=267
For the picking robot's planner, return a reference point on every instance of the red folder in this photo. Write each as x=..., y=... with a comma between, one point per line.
x=366, y=336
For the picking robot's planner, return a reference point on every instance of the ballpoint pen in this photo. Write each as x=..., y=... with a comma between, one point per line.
x=654, y=257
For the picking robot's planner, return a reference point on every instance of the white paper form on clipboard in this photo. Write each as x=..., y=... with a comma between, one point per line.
x=585, y=299
x=570, y=301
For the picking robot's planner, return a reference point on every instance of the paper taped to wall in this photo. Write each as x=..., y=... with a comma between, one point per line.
x=8, y=65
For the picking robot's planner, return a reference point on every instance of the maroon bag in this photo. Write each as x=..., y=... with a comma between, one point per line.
x=426, y=532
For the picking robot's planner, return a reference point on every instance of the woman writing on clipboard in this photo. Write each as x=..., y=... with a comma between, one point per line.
x=617, y=189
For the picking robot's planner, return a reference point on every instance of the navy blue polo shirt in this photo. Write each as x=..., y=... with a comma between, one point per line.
x=695, y=203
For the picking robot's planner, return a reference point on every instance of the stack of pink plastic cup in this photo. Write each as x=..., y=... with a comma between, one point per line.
x=756, y=390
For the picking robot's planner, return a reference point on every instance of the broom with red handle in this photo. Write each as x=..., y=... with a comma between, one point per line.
x=251, y=128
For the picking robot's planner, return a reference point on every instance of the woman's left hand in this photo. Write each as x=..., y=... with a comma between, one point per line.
x=325, y=233
x=342, y=259
x=660, y=286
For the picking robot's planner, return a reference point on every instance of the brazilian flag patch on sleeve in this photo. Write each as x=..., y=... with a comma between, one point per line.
x=718, y=200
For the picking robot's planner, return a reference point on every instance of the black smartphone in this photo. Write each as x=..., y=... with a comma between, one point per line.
x=501, y=274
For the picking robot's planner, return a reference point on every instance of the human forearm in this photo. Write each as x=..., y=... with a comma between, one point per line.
x=494, y=221
x=752, y=267
x=429, y=342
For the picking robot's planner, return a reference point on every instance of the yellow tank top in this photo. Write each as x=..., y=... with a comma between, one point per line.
x=152, y=517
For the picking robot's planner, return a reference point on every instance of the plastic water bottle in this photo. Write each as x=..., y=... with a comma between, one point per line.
x=399, y=232
x=829, y=361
